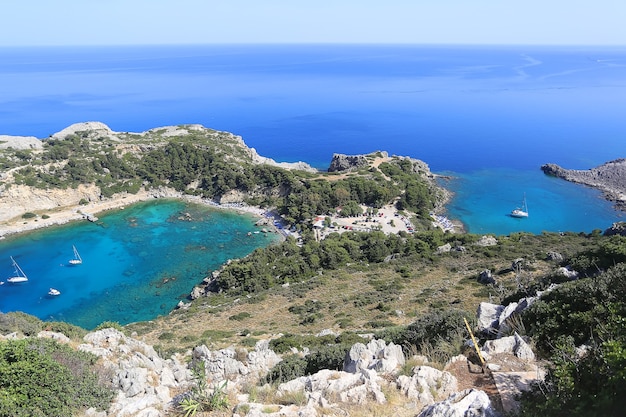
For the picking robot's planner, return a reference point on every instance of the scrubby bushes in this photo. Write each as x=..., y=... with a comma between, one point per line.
x=39, y=377
x=27, y=325
x=325, y=352
x=288, y=262
x=439, y=333
x=589, y=313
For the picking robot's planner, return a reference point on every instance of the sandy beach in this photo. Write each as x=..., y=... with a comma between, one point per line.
x=84, y=212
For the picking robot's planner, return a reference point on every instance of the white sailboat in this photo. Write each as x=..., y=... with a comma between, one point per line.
x=19, y=275
x=77, y=259
x=521, y=211
x=54, y=292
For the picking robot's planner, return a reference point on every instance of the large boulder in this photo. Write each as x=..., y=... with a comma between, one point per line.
x=427, y=385
x=496, y=320
x=468, y=403
x=326, y=386
x=236, y=364
x=341, y=162
x=567, y=272
x=488, y=315
x=486, y=277
x=376, y=355
x=515, y=345
x=487, y=241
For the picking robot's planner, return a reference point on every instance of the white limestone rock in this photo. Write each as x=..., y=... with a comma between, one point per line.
x=514, y=345
x=20, y=142
x=467, y=403
x=59, y=337
x=427, y=385
x=488, y=315
x=375, y=355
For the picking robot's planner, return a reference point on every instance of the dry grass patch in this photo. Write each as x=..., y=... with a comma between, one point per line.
x=360, y=298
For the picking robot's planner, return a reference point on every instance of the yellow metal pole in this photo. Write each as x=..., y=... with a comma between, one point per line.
x=482, y=361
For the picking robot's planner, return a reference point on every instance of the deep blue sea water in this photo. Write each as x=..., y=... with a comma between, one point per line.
x=487, y=116
x=138, y=263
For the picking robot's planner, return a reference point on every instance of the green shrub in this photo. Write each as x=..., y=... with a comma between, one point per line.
x=379, y=324
x=20, y=322
x=326, y=357
x=39, y=377
x=240, y=316
x=249, y=342
x=166, y=336
x=592, y=312
x=188, y=338
x=434, y=329
x=201, y=397
x=110, y=325
x=28, y=215
x=69, y=330
x=217, y=334
x=291, y=367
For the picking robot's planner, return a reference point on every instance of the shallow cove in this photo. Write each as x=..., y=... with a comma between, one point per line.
x=138, y=263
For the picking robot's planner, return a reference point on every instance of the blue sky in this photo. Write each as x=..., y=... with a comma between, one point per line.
x=113, y=22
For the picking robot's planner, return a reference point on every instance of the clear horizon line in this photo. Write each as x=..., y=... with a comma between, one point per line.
x=310, y=43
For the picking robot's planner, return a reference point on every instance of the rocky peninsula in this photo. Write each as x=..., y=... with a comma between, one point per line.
x=610, y=178
x=88, y=168
x=55, y=204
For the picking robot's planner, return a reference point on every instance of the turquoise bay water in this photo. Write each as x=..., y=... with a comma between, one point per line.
x=138, y=263
x=484, y=200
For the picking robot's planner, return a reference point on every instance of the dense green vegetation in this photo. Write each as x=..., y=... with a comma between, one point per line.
x=195, y=163
x=40, y=377
x=581, y=328
x=292, y=262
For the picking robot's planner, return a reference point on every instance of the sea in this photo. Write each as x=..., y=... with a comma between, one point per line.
x=485, y=117
x=137, y=263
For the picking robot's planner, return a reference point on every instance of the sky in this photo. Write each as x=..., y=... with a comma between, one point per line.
x=121, y=22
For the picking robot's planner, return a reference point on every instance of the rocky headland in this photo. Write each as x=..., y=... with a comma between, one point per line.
x=59, y=205
x=63, y=178
x=609, y=177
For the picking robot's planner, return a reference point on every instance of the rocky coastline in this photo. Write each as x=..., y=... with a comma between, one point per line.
x=610, y=178
x=25, y=208
x=56, y=206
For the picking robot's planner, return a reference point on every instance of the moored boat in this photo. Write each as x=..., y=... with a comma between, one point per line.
x=522, y=211
x=77, y=259
x=19, y=275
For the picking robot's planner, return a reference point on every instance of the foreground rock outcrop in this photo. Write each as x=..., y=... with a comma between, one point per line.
x=374, y=377
x=609, y=177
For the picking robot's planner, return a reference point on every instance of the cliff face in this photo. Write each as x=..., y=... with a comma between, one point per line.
x=609, y=177
x=19, y=199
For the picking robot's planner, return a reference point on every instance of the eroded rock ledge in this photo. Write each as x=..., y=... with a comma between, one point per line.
x=609, y=177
